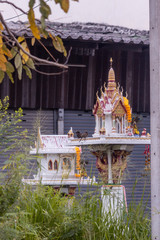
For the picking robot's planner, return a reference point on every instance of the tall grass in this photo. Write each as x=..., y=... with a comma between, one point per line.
x=44, y=214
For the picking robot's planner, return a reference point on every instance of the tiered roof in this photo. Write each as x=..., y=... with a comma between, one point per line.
x=111, y=100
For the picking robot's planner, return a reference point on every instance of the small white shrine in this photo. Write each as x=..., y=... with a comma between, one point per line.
x=60, y=165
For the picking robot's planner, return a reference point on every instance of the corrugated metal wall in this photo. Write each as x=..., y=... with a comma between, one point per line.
x=84, y=121
x=31, y=120
x=134, y=174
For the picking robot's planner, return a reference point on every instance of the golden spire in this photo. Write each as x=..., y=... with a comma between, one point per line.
x=111, y=61
x=111, y=77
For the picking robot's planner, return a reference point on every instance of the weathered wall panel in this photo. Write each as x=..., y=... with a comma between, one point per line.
x=76, y=89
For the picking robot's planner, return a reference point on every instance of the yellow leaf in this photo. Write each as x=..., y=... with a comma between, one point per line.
x=25, y=58
x=1, y=76
x=24, y=45
x=3, y=58
x=33, y=41
x=20, y=39
x=1, y=41
x=51, y=36
x=1, y=51
x=6, y=51
x=2, y=66
x=33, y=26
x=65, y=5
x=1, y=26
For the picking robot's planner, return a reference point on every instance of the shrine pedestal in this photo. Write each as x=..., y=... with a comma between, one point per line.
x=113, y=200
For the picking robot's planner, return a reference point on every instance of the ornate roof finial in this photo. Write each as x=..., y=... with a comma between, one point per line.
x=121, y=91
x=102, y=92
x=111, y=78
x=97, y=94
x=111, y=61
x=70, y=133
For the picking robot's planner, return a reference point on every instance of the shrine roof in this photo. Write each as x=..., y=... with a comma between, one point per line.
x=53, y=144
x=89, y=32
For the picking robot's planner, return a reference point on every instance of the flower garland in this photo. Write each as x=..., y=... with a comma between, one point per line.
x=78, y=158
x=128, y=109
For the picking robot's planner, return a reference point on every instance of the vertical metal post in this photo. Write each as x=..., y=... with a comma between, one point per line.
x=155, y=115
x=60, y=121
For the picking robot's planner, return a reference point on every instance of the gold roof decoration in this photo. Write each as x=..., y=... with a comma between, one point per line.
x=111, y=78
x=70, y=133
x=111, y=98
x=102, y=93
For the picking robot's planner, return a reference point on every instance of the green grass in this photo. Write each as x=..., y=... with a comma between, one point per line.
x=43, y=214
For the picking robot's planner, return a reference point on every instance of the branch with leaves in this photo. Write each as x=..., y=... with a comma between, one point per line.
x=16, y=48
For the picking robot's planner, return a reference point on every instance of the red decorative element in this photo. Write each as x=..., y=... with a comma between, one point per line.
x=143, y=132
x=147, y=158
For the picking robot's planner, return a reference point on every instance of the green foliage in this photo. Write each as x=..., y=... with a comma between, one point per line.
x=16, y=49
x=14, y=147
x=44, y=214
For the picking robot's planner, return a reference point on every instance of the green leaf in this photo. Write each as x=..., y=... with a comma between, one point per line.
x=58, y=44
x=28, y=71
x=14, y=51
x=31, y=3
x=30, y=63
x=19, y=70
x=1, y=76
x=17, y=60
x=44, y=9
x=10, y=76
x=43, y=25
x=10, y=67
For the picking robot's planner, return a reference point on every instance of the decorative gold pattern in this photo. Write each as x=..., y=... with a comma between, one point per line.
x=119, y=110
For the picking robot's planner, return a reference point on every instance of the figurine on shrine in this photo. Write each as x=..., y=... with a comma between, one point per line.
x=144, y=133
x=135, y=128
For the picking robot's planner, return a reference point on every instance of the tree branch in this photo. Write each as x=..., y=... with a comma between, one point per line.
x=10, y=3
x=51, y=74
x=46, y=50
x=30, y=55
